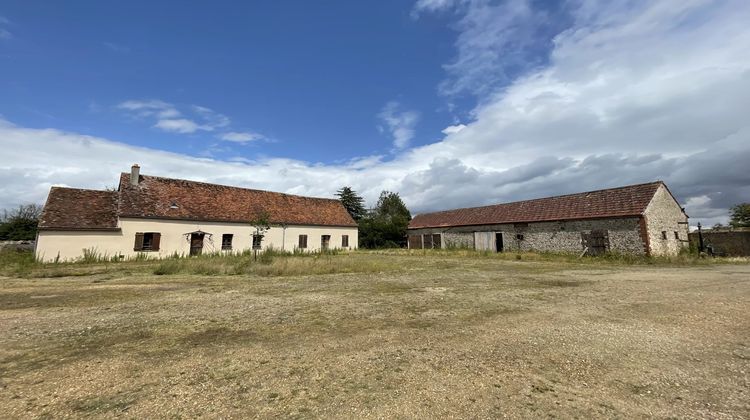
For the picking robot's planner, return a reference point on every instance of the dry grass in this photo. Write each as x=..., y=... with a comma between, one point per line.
x=396, y=334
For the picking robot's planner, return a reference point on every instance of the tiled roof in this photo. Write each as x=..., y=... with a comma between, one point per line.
x=631, y=200
x=73, y=208
x=166, y=198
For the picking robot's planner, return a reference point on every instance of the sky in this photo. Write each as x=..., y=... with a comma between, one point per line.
x=450, y=103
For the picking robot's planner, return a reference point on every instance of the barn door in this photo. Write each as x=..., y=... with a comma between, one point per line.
x=484, y=241
x=596, y=241
x=415, y=241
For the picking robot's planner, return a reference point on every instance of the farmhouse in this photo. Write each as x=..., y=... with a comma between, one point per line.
x=635, y=219
x=161, y=217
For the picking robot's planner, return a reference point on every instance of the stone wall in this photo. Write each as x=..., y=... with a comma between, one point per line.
x=565, y=236
x=17, y=245
x=666, y=224
x=730, y=243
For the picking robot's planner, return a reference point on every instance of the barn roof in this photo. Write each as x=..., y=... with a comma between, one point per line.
x=166, y=198
x=176, y=199
x=77, y=209
x=630, y=200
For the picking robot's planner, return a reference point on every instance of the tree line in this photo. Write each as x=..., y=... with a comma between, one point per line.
x=20, y=224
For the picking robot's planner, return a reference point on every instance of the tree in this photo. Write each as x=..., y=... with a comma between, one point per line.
x=739, y=215
x=385, y=225
x=20, y=224
x=353, y=203
x=261, y=223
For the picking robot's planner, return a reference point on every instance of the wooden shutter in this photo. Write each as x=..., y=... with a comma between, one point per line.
x=155, y=241
x=345, y=241
x=302, y=241
x=138, y=242
x=436, y=241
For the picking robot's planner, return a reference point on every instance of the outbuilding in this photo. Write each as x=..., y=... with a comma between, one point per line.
x=158, y=217
x=643, y=219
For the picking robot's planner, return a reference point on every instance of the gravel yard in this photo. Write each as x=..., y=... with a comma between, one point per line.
x=435, y=337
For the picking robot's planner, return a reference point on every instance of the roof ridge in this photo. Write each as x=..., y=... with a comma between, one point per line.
x=543, y=198
x=231, y=186
x=82, y=189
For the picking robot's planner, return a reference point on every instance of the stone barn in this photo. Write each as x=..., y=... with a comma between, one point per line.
x=643, y=219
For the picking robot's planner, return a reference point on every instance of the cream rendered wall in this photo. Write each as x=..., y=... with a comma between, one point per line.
x=70, y=245
x=663, y=213
x=67, y=246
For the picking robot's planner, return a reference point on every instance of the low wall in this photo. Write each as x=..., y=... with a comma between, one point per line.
x=17, y=245
x=730, y=243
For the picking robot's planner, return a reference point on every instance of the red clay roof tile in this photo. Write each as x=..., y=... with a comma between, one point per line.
x=77, y=209
x=167, y=198
x=615, y=202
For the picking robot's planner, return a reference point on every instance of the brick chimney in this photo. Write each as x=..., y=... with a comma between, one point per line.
x=135, y=175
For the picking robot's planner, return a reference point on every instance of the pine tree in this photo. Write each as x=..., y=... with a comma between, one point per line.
x=353, y=203
x=740, y=215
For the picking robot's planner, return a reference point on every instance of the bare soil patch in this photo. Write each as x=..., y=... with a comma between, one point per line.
x=436, y=336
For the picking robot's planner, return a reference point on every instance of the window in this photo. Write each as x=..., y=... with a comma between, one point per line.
x=147, y=241
x=226, y=242
x=325, y=241
x=257, y=241
x=519, y=236
x=302, y=242
x=676, y=235
x=664, y=234
x=345, y=241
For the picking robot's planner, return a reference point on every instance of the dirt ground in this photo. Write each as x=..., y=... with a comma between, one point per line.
x=440, y=337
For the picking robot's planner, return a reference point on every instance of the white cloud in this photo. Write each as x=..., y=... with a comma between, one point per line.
x=621, y=100
x=150, y=107
x=399, y=123
x=496, y=40
x=118, y=48
x=434, y=6
x=212, y=118
x=241, y=136
x=178, y=126
x=4, y=33
x=189, y=120
x=453, y=129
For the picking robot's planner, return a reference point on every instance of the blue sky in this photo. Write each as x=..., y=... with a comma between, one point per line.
x=311, y=79
x=451, y=103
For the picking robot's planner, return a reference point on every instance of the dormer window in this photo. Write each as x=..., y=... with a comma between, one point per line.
x=173, y=205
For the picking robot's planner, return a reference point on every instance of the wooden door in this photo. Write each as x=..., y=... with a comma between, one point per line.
x=484, y=241
x=596, y=242
x=415, y=241
x=196, y=243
